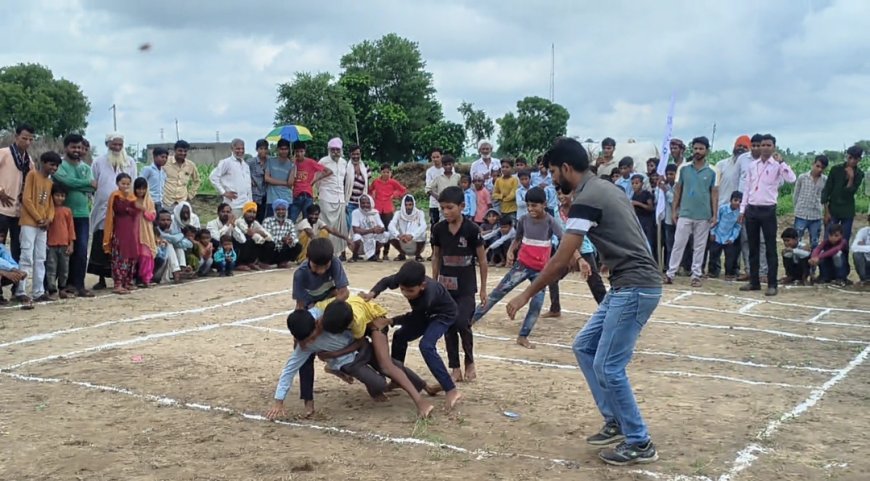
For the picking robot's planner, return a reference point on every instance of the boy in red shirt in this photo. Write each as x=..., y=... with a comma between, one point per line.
x=308, y=173
x=384, y=190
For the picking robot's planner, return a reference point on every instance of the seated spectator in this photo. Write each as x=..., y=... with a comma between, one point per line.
x=256, y=251
x=311, y=226
x=283, y=232
x=497, y=251
x=829, y=258
x=795, y=259
x=861, y=253
x=408, y=230
x=369, y=233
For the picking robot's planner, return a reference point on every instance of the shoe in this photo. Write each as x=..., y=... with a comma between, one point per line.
x=551, y=315
x=750, y=287
x=669, y=280
x=771, y=291
x=696, y=282
x=386, y=257
x=418, y=258
x=400, y=257
x=99, y=286
x=43, y=298
x=342, y=257
x=3, y=300
x=729, y=278
x=626, y=454
x=608, y=434
x=786, y=281
x=838, y=283
x=26, y=302
x=84, y=293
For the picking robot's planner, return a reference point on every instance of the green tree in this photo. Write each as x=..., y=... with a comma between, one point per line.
x=29, y=93
x=450, y=136
x=392, y=94
x=478, y=125
x=537, y=123
x=317, y=102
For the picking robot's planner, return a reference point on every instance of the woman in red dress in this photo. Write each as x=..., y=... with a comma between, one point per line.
x=121, y=237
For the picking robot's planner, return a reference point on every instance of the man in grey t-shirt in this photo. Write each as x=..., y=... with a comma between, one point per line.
x=604, y=346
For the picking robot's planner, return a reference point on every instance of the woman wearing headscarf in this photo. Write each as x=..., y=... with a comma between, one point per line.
x=121, y=236
x=408, y=230
x=369, y=233
x=182, y=215
x=256, y=252
x=147, y=242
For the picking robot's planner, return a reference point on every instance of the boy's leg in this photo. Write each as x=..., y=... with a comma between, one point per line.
x=39, y=255
x=27, y=259
x=396, y=371
x=386, y=219
x=594, y=281
x=401, y=338
x=465, y=309
x=860, y=260
x=435, y=329
x=815, y=229
x=513, y=278
x=841, y=266
x=531, y=316
x=79, y=260
x=753, y=234
x=362, y=370
x=52, y=262
x=801, y=226
x=802, y=268
x=826, y=270
x=306, y=383
x=732, y=252
x=555, y=302
x=62, y=268
x=714, y=266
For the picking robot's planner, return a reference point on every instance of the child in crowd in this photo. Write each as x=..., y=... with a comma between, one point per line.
x=311, y=227
x=256, y=251
x=588, y=264
x=10, y=273
x=808, y=210
x=225, y=257
x=385, y=189
x=490, y=224
x=540, y=176
x=669, y=229
x=408, y=230
x=369, y=232
x=147, y=244
x=484, y=202
x=795, y=259
x=308, y=173
x=121, y=237
x=37, y=212
x=651, y=165
x=61, y=239
x=433, y=312
x=614, y=175
x=861, y=253
x=499, y=240
x=725, y=236
x=504, y=192
x=653, y=183
x=320, y=277
x=525, y=184
x=829, y=258
x=192, y=254
x=470, y=198
x=626, y=168
x=206, y=252
x=520, y=165
x=456, y=245
x=644, y=208
x=534, y=232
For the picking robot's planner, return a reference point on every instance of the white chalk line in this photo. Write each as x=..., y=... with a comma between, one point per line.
x=570, y=367
x=137, y=340
x=680, y=297
x=747, y=456
x=154, y=288
x=144, y=317
x=819, y=316
x=746, y=308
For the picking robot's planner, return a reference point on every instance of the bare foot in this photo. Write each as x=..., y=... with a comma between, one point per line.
x=309, y=409
x=381, y=398
x=392, y=385
x=524, y=341
x=424, y=409
x=433, y=390
x=453, y=397
x=456, y=374
x=120, y=290
x=470, y=372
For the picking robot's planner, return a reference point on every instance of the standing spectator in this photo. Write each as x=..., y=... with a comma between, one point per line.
x=745, y=160
x=725, y=236
x=728, y=171
x=838, y=196
x=106, y=170
x=232, y=178
x=308, y=173
x=505, y=191
x=121, y=238
x=486, y=167
x=484, y=203
x=385, y=189
x=605, y=161
x=79, y=181
x=182, y=178
x=37, y=213
x=15, y=164
x=758, y=211
x=525, y=182
x=259, y=185
x=155, y=175
x=696, y=208
x=146, y=242
x=861, y=253
x=626, y=167
x=470, y=197
x=644, y=208
x=448, y=179
x=331, y=194
x=808, y=201
x=356, y=183
x=60, y=240
x=279, y=176
x=669, y=228
x=432, y=173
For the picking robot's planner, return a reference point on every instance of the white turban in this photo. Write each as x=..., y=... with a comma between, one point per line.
x=484, y=142
x=114, y=135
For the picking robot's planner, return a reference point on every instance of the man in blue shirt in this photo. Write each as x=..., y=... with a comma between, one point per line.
x=156, y=176
x=280, y=174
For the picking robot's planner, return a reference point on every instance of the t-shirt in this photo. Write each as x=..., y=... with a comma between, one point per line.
x=305, y=172
x=458, y=254
x=605, y=215
x=536, y=235
x=697, y=189
x=61, y=231
x=310, y=288
x=643, y=196
x=364, y=312
x=384, y=191
x=278, y=170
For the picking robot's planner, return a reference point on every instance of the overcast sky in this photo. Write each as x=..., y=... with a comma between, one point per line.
x=799, y=69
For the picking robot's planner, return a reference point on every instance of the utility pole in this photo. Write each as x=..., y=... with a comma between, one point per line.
x=217, y=135
x=161, y=134
x=552, y=72
x=177, y=137
x=114, y=117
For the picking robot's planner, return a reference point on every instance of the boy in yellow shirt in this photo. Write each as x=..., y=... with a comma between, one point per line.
x=505, y=190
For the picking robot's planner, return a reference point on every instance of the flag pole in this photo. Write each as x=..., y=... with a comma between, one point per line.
x=661, y=168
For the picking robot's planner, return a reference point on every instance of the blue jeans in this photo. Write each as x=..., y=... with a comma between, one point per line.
x=603, y=349
x=78, y=261
x=513, y=278
x=300, y=205
x=225, y=267
x=847, y=234
x=834, y=268
x=349, y=209
x=431, y=332
x=813, y=226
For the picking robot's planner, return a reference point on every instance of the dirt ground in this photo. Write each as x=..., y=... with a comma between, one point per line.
x=171, y=383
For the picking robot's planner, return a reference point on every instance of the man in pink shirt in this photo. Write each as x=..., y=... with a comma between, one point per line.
x=758, y=210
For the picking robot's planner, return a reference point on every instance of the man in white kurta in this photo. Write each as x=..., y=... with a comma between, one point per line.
x=331, y=194
x=232, y=178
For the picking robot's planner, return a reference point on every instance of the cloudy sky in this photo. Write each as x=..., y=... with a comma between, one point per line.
x=796, y=68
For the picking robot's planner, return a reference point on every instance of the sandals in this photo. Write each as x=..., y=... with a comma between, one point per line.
x=26, y=302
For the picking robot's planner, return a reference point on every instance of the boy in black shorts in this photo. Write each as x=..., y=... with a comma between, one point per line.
x=456, y=244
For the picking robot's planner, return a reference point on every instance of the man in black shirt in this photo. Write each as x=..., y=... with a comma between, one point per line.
x=433, y=312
